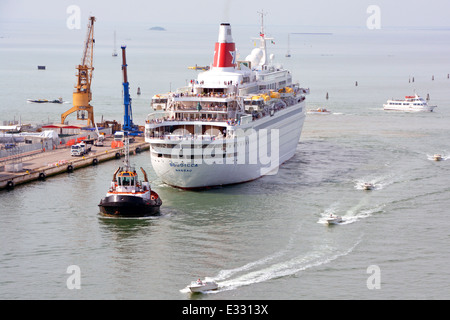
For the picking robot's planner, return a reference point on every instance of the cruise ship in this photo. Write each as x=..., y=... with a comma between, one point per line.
x=238, y=121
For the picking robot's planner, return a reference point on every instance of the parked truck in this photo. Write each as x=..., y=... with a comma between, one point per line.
x=80, y=149
x=120, y=136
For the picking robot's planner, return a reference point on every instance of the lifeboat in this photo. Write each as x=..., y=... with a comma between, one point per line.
x=274, y=95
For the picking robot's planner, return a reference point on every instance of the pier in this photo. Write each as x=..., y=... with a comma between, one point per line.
x=40, y=166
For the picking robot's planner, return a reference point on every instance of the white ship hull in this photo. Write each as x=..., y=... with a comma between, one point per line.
x=200, y=173
x=409, y=108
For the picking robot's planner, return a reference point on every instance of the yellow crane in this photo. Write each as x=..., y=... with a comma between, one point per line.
x=82, y=94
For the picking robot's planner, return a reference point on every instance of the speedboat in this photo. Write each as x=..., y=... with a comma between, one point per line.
x=437, y=157
x=334, y=219
x=318, y=111
x=129, y=197
x=37, y=100
x=368, y=186
x=203, y=285
x=60, y=100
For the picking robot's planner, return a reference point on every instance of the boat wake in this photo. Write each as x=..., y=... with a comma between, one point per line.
x=321, y=255
x=351, y=215
x=111, y=217
x=226, y=274
x=273, y=266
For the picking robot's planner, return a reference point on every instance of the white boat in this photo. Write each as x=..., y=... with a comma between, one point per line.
x=334, y=219
x=410, y=103
x=367, y=186
x=236, y=122
x=437, y=157
x=318, y=111
x=203, y=285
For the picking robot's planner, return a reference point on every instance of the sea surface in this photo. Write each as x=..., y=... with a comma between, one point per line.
x=266, y=239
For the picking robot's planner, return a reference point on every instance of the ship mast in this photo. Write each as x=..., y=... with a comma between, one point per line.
x=262, y=39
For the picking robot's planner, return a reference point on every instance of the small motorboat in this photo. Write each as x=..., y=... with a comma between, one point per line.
x=203, y=285
x=437, y=157
x=60, y=100
x=318, y=111
x=368, y=186
x=129, y=197
x=205, y=68
x=334, y=219
x=37, y=100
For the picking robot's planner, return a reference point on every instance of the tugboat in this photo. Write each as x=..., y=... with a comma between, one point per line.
x=127, y=196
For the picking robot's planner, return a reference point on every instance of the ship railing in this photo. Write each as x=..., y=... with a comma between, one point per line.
x=229, y=121
x=187, y=137
x=187, y=94
x=221, y=109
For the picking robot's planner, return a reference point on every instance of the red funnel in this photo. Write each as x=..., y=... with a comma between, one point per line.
x=225, y=50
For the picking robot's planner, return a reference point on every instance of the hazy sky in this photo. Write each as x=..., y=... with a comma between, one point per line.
x=423, y=13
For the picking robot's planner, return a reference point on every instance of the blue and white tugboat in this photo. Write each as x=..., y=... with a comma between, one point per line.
x=129, y=197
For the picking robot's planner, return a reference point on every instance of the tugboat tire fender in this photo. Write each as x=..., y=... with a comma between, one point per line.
x=42, y=176
x=10, y=185
x=69, y=168
x=95, y=162
x=117, y=155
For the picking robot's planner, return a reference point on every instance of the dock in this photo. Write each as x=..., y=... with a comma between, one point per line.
x=40, y=166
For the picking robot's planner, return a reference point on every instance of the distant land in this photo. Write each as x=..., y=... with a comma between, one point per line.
x=314, y=33
x=157, y=28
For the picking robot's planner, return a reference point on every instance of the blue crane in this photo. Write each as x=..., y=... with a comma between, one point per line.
x=128, y=124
